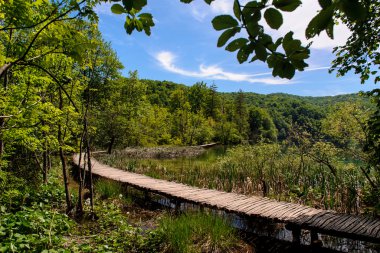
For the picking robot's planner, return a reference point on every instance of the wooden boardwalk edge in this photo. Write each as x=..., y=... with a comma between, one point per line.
x=295, y=216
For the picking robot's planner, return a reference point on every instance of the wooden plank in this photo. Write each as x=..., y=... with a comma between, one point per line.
x=253, y=209
x=274, y=212
x=374, y=228
x=203, y=196
x=283, y=214
x=331, y=218
x=298, y=214
x=243, y=207
x=338, y=223
x=221, y=200
x=363, y=228
x=244, y=200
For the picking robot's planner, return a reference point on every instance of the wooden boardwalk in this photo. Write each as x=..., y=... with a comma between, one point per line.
x=294, y=215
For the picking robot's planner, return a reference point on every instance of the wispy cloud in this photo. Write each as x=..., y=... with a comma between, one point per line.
x=200, y=10
x=213, y=72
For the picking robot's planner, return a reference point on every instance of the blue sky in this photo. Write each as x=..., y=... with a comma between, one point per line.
x=182, y=49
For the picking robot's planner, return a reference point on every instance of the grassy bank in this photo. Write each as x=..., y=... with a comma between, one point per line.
x=161, y=152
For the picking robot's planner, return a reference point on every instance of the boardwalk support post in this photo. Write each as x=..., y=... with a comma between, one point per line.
x=296, y=234
x=147, y=196
x=177, y=206
x=314, y=239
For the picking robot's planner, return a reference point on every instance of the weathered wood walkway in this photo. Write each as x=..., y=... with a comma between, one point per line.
x=294, y=215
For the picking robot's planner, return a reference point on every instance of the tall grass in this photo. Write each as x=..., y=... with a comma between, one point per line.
x=108, y=188
x=265, y=169
x=198, y=232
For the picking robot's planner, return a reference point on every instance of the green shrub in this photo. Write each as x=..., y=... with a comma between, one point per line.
x=32, y=230
x=111, y=232
x=13, y=190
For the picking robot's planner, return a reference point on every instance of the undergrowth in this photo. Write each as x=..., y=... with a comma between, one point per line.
x=30, y=218
x=33, y=220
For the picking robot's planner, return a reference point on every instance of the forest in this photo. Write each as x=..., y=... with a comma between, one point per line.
x=63, y=92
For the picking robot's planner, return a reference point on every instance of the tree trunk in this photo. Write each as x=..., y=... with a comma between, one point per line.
x=89, y=166
x=44, y=158
x=109, y=150
x=80, y=189
x=2, y=123
x=63, y=160
x=45, y=166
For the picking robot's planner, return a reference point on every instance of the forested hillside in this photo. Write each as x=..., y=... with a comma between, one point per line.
x=165, y=113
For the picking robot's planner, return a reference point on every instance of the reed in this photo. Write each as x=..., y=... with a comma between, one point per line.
x=198, y=232
x=108, y=188
x=265, y=169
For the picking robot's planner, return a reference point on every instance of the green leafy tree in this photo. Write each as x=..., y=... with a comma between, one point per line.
x=261, y=126
x=241, y=114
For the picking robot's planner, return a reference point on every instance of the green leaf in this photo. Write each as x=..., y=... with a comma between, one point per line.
x=291, y=45
x=128, y=4
x=287, y=5
x=117, y=9
x=266, y=40
x=324, y=3
x=288, y=71
x=146, y=19
x=254, y=58
x=138, y=25
x=236, y=9
x=330, y=29
x=261, y=52
x=209, y=1
x=273, y=18
x=139, y=4
x=223, y=22
x=319, y=22
x=236, y=44
x=226, y=35
x=250, y=8
x=244, y=53
x=128, y=25
x=283, y=69
x=252, y=12
x=354, y=10
x=186, y=1
x=254, y=28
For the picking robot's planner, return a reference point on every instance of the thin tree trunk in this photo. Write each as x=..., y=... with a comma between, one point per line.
x=45, y=165
x=80, y=189
x=89, y=166
x=109, y=150
x=44, y=157
x=2, y=123
x=63, y=160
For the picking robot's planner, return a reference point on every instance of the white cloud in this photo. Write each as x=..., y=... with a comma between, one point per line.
x=214, y=72
x=200, y=10
x=221, y=6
